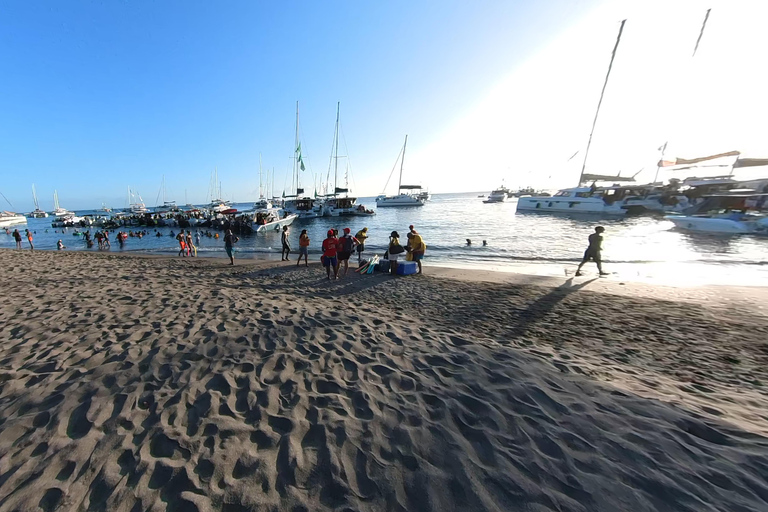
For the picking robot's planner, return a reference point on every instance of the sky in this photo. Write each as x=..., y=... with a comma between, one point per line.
x=99, y=96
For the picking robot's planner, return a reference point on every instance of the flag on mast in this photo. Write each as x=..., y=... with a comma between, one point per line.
x=298, y=157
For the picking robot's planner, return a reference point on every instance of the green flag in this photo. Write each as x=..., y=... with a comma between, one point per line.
x=298, y=157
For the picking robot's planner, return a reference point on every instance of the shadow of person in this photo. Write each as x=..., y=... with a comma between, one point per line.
x=541, y=307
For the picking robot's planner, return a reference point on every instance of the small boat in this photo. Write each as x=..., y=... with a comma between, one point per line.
x=8, y=219
x=481, y=195
x=497, y=196
x=737, y=212
x=58, y=211
x=37, y=213
x=572, y=200
x=402, y=198
x=274, y=223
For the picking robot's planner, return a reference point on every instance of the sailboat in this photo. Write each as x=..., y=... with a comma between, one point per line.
x=167, y=205
x=341, y=205
x=402, y=198
x=8, y=219
x=135, y=206
x=582, y=199
x=37, y=213
x=263, y=203
x=217, y=204
x=58, y=211
x=305, y=207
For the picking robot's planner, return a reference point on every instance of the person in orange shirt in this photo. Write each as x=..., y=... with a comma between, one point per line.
x=303, y=247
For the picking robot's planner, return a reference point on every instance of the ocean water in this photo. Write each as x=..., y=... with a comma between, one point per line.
x=635, y=248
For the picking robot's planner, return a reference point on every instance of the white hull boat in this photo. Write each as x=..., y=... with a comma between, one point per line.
x=8, y=219
x=497, y=196
x=37, y=213
x=732, y=224
x=570, y=200
x=275, y=225
x=399, y=200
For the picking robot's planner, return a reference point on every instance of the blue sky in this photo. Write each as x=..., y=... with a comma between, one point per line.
x=99, y=96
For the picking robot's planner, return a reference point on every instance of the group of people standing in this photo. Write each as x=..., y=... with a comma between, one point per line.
x=186, y=247
x=414, y=249
x=17, y=238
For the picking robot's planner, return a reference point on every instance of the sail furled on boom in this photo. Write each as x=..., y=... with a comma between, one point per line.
x=689, y=161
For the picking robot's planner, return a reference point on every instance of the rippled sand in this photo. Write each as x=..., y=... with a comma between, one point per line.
x=134, y=383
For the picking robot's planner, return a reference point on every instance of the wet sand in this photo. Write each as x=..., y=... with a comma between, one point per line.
x=133, y=383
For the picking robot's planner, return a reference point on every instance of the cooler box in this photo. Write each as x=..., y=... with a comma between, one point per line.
x=406, y=268
x=383, y=266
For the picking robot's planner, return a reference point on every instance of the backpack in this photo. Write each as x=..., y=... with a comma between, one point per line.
x=346, y=244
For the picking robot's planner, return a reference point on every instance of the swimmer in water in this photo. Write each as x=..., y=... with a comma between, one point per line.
x=469, y=242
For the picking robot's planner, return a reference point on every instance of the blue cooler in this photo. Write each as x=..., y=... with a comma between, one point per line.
x=406, y=268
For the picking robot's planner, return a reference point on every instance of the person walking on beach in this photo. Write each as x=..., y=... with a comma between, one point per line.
x=394, y=251
x=361, y=236
x=330, y=247
x=593, y=252
x=229, y=241
x=345, y=246
x=303, y=247
x=416, y=247
x=17, y=237
x=182, y=243
x=191, y=249
x=286, y=245
x=29, y=239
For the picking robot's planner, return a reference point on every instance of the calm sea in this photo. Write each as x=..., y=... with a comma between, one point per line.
x=638, y=248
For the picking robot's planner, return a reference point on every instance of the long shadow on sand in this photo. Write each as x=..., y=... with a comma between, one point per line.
x=541, y=307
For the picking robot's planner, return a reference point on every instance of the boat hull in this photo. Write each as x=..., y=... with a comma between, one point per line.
x=718, y=225
x=12, y=220
x=276, y=225
x=568, y=205
x=386, y=202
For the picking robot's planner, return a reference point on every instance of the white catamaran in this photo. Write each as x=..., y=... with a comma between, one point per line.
x=37, y=213
x=405, y=196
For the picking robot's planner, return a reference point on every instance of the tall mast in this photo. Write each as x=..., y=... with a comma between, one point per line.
x=695, y=48
x=295, y=150
x=261, y=191
x=336, y=153
x=402, y=161
x=34, y=196
x=602, y=93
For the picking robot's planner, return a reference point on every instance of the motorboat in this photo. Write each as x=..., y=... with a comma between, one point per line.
x=407, y=195
x=572, y=200
x=37, y=213
x=8, y=219
x=263, y=204
x=273, y=222
x=737, y=212
x=67, y=221
x=497, y=196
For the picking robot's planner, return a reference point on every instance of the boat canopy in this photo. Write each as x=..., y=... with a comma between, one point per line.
x=410, y=187
x=603, y=177
x=689, y=161
x=340, y=190
x=750, y=162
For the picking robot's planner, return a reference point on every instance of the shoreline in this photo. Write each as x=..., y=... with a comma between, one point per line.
x=189, y=384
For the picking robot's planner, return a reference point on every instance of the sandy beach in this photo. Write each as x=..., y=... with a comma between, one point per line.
x=133, y=383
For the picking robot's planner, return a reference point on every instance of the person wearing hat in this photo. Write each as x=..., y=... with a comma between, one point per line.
x=330, y=245
x=593, y=252
x=345, y=245
x=361, y=236
x=394, y=251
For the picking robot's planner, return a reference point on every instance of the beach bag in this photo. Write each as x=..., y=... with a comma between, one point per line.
x=346, y=244
x=409, y=256
x=396, y=249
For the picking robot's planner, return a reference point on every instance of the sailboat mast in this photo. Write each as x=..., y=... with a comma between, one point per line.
x=402, y=161
x=261, y=191
x=34, y=196
x=295, y=151
x=336, y=153
x=600, y=102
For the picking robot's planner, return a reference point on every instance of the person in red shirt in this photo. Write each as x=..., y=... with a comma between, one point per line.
x=329, y=255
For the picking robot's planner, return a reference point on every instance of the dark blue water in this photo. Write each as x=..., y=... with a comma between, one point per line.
x=640, y=247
